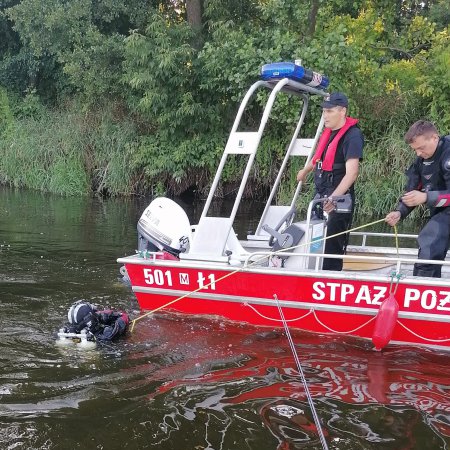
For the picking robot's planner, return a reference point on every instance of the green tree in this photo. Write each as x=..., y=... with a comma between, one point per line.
x=175, y=71
x=84, y=37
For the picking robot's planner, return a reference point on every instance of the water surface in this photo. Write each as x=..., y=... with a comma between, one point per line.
x=181, y=383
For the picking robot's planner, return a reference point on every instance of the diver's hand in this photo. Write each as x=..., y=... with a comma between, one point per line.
x=414, y=198
x=393, y=218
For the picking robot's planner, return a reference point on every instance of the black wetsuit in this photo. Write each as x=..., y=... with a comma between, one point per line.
x=350, y=146
x=432, y=176
x=104, y=325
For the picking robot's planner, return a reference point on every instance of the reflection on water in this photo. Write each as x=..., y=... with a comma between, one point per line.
x=394, y=400
x=180, y=383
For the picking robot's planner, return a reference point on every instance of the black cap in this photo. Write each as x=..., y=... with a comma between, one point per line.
x=336, y=99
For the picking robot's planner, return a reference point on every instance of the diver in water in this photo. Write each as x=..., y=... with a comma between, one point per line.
x=104, y=325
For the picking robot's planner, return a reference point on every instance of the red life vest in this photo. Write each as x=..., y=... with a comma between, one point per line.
x=327, y=163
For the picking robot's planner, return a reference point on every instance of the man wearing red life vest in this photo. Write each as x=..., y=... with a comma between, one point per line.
x=336, y=166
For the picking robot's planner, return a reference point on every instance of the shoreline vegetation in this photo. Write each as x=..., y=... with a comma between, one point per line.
x=116, y=98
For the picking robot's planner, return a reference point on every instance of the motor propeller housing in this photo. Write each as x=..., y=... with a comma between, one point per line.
x=164, y=226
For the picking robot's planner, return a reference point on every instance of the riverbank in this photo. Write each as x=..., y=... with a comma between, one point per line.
x=72, y=152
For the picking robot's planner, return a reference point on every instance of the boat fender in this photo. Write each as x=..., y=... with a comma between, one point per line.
x=385, y=322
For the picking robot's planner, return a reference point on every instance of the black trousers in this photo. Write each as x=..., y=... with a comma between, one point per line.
x=433, y=240
x=336, y=223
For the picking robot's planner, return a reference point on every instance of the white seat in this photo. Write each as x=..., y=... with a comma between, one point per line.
x=212, y=238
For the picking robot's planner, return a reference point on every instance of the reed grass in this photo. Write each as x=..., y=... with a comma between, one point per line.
x=76, y=152
x=70, y=152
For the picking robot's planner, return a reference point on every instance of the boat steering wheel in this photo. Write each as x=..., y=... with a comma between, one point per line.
x=274, y=232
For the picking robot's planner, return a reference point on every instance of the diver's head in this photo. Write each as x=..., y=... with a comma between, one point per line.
x=79, y=311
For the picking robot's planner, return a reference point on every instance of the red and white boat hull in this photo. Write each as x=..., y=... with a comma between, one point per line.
x=320, y=302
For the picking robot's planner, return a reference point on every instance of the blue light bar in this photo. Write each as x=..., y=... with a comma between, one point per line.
x=279, y=70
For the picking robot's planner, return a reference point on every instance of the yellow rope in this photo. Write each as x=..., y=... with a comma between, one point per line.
x=396, y=241
x=181, y=298
x=395, y=274
x=328, y=237
x=241, y=269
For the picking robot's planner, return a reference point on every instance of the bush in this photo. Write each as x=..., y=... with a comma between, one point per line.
x=70, y=152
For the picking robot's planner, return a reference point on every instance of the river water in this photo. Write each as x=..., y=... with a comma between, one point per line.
x=179, y=383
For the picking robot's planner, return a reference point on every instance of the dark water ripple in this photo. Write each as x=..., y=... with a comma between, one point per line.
x=179, y=383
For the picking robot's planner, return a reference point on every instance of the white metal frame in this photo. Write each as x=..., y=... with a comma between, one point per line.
x=213, y=233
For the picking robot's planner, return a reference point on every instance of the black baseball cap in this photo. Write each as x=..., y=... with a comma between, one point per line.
x=336, y=99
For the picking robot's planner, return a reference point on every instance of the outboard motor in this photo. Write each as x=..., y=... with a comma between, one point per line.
x=164, y=226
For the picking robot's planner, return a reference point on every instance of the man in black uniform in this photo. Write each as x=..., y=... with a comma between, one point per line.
x=336, y=166
x=428, y=183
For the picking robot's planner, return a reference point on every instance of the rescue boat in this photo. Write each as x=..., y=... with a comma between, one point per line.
x=205, y=269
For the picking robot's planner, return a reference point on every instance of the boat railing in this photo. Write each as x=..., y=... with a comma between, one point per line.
x=365, y=234
x=397, y=261
x=255, y=260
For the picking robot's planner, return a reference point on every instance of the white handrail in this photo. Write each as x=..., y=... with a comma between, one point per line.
x=383, y=259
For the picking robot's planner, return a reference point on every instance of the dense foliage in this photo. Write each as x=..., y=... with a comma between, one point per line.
x=123, y=97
